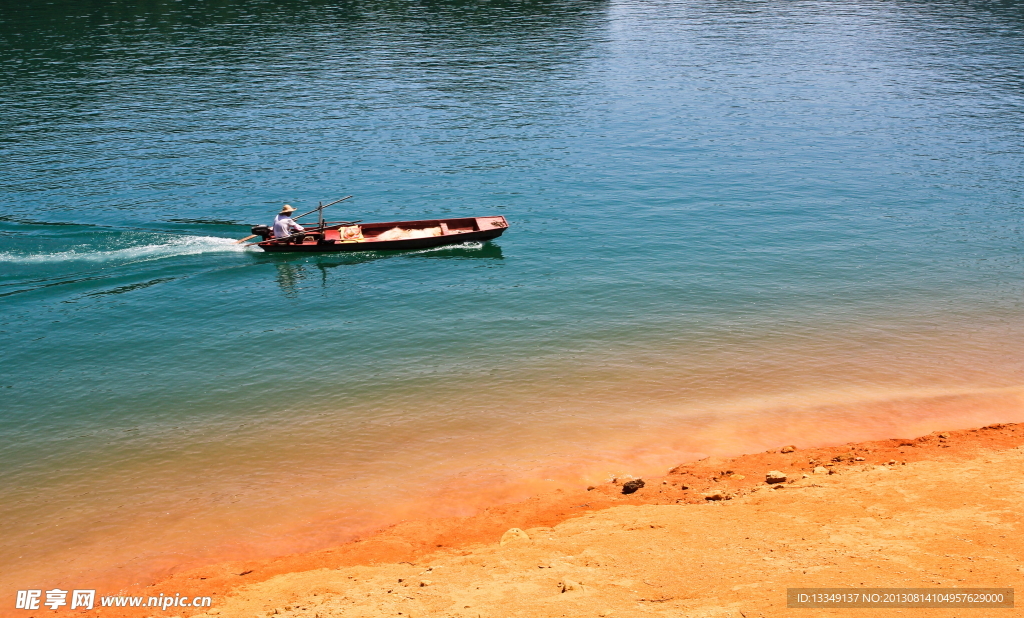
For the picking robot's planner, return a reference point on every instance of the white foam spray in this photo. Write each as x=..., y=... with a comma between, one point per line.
x=466, y=245
x=175, y=246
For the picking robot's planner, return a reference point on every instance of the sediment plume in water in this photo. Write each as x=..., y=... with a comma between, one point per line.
x=178, y=529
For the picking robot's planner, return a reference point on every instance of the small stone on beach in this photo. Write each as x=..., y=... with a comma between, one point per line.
x=775, y=477
x=788, y=449
x=632, y=486
x=569, y=585
x=513, y=534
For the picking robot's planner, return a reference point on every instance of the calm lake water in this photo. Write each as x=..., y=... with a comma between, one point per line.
x=734, y=225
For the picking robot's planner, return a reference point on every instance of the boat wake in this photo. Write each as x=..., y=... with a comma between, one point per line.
x=175, y=246
x=465, y=245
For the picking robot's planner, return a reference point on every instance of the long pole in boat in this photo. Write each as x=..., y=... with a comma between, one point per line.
x=325, y=206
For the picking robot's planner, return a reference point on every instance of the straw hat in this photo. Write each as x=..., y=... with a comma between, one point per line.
x=286, y=209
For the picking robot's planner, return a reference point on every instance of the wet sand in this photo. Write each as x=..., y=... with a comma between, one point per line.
x=940, y=510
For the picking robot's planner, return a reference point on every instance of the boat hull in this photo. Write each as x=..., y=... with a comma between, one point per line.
x=453, y=232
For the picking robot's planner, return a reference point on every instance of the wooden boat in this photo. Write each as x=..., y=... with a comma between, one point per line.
x=391, y=235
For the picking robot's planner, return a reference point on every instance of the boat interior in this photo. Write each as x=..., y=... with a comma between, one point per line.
x=427, y=227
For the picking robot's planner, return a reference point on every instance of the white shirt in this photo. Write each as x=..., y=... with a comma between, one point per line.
x=284, y=226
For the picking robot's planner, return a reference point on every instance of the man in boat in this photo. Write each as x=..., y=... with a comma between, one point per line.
x=284, y=225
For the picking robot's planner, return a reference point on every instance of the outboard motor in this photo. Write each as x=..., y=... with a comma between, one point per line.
x=263, y=231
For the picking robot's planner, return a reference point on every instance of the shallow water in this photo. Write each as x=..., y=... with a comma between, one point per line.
x=732, y=226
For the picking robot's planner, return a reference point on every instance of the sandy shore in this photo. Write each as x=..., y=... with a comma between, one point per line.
x=710, y=538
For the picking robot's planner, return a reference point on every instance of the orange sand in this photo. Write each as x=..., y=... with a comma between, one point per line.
x=944, y=514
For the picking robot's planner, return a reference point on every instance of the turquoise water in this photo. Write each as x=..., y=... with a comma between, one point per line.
x=731, y=224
